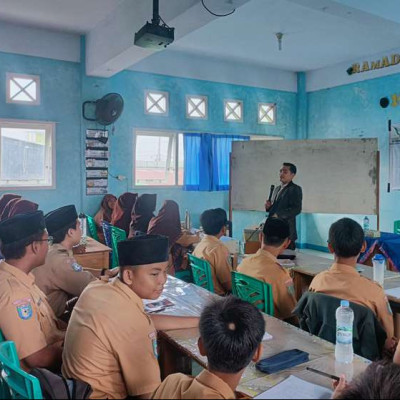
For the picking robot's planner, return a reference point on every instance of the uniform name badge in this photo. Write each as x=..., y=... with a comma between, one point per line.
x=76, y=267
x=153, y=338
x=24, y=308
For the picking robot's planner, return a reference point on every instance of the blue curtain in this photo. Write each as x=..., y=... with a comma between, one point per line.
x=207, y=161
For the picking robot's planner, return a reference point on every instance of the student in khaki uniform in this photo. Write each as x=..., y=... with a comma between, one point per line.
x=214, y=251
x=61, y=278
x=231, y=331
x=111, y=343
x=346, y=242
x=264, y=266
x=25, y=316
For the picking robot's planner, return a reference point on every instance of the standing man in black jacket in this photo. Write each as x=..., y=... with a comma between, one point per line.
x=286, y=200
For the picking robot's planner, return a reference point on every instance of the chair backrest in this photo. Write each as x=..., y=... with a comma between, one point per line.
x=396, y=227
x=15, y=382
x=117, y=235
x=92, y=227
x=317, y=315
x=253, y=291
x=2, y=338
x=201, y=272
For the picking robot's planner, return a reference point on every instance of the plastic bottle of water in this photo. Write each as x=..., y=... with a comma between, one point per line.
x=366, y=223
x=82, y=220
x=379, y=265
x=344, y=333
x=187, y=220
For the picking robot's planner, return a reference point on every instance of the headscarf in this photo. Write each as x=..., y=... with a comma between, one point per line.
x=121, y=216
x=5, y=198
x=142, y=213
x=167, y=222
x=107, y=210
x=7, y=208
x=22, y=206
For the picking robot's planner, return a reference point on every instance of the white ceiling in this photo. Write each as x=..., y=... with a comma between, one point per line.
x=317, y=33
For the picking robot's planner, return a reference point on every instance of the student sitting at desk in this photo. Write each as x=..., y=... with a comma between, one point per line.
x=264, y=266
x=142, y=213
x=168, y=223
x=214, y=251
x=104, y=214
x=26, y=318
x=111, y=343
x=346, y=242
x=231, y=332
x=121, y=215
x=61, y=277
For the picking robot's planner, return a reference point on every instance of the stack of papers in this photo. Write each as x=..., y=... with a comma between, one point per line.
x=296, y=388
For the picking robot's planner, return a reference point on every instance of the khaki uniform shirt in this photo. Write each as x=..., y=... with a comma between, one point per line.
x=216, y=253
x=61, y=277
x=25, y=316
x=111, y=343
x=265, y=267
x=344, y=282
x=205, y=386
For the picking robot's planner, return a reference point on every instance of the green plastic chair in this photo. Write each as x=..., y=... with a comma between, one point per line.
x=253, y=291
x=92, y=227
x=15, y=383
x=185, y=276
x=2, y=338
x=117, y=235
x=396, y=227
x=201, y=272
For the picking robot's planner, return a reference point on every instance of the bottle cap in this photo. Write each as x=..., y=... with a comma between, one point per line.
x=344, y=303
x=378, y=257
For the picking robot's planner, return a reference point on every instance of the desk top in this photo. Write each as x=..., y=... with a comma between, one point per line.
x=92, y=246
x=190, y=299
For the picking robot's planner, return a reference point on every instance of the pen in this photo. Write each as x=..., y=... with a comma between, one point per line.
x=323, y=374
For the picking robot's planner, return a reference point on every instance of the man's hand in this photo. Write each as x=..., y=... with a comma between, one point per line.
x=268, y=205
x=339, y=386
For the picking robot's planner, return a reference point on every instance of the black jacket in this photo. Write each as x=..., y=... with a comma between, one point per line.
x=317, y=315
x=288, y=205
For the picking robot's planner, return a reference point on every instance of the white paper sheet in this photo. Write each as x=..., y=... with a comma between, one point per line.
x=395, y=292
x=295, y=388
x=267, y=336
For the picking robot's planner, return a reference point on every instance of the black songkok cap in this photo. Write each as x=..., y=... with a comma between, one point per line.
x=142, y=250
x=21, y=226
x=61, y=218
x=276, y=227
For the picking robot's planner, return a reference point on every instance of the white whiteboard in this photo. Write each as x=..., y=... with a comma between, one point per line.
x=337, y=176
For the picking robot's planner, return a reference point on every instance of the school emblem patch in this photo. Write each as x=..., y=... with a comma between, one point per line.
x=24, y=308
x=153, y=338
x=76, y=267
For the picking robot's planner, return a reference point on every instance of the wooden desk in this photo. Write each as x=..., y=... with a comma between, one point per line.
x=178, y=347
x=95, y=256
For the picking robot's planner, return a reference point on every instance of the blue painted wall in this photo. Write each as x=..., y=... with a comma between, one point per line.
x=65, y=87
x=60, y=102
x=353, y=111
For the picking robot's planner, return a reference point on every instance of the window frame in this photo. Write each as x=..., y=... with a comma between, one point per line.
x=205, y=99
x=226, y=101
x=35, y=78
x=50, y=128
x=157, y=133
x=166, y=94
x=273, y=106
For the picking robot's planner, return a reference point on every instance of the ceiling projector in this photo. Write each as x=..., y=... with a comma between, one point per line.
x=154, y=35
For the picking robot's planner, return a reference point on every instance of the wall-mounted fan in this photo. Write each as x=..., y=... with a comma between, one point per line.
x=106, y=110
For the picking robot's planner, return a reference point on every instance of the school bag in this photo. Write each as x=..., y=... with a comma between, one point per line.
x=55, y=386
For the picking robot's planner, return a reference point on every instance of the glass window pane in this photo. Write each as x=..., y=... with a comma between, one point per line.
x=155, y=160
x=23, y=154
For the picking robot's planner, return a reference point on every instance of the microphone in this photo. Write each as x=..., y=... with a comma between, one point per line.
x=271, y=191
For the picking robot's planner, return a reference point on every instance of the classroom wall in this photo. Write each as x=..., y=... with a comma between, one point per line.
x=64, y=87
x=131, y=85
x=353, y=111
x=60, y=103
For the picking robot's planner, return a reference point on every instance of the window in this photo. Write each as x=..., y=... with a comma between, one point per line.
x=159, y=159
x=233, y=110
x=266, y=113
x=196, y=107
x=156, y=103
x=23, y=89
x=26, y=154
